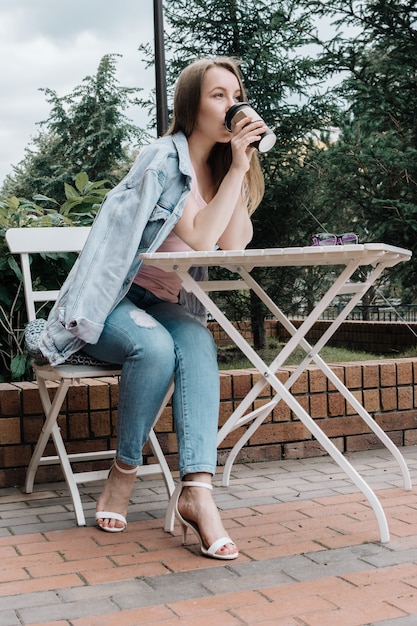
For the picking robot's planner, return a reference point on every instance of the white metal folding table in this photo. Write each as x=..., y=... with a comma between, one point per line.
x=346, y=260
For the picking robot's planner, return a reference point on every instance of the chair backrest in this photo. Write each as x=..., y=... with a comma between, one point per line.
x=27, y=241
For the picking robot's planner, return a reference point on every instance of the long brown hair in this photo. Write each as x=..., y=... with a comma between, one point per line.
x=186, y=106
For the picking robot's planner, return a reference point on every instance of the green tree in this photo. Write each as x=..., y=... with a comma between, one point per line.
x=371, y=171
x=85, y=131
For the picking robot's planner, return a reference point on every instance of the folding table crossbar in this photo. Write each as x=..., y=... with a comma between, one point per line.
x=346, y=260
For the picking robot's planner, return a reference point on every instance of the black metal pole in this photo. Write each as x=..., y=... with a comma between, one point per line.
x=160, y=74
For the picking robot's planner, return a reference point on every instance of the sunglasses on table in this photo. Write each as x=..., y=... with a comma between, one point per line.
x=330, y=239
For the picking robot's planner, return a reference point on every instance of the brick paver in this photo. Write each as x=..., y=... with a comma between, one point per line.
x=309, y=543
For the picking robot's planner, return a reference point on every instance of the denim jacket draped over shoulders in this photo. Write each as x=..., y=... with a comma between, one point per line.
x=135, y=217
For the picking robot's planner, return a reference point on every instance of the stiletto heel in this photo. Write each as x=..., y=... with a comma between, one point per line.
x=110, y=514
x=186, y=524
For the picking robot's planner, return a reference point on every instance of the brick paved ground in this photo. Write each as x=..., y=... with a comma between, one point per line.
x=309, y=542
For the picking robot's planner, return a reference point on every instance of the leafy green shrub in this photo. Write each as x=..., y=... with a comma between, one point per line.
x=79, y=209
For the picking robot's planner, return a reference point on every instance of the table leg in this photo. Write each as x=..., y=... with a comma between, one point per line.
x=298, y=338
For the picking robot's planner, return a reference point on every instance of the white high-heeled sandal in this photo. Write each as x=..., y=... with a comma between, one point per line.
x=109, y=514
x=211, y=551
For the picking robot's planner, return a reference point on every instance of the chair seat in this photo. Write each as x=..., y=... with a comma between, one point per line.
x=33, y=333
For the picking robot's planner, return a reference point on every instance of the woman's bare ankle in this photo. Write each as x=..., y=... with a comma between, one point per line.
x=117, y=489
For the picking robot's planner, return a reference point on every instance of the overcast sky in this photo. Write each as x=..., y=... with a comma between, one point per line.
x=55, y=44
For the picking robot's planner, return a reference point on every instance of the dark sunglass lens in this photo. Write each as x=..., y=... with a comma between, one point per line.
x=349, y=238
x=327, y=239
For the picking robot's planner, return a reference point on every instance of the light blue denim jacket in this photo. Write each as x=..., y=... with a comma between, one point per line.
x=136, y=216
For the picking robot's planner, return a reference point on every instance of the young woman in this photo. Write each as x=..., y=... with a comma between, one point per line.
x=194, y=188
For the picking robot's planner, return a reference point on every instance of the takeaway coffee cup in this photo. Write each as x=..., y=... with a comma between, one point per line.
x=241, y=110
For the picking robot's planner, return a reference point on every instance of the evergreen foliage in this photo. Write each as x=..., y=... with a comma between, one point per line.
x=86, y=131
x=370, y=173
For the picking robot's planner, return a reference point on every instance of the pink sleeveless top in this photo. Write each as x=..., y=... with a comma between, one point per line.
x=167, y=285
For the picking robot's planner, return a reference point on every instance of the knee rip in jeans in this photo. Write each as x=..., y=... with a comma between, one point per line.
x=141, y=318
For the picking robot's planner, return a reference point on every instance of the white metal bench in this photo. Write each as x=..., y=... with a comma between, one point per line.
x=30, y=241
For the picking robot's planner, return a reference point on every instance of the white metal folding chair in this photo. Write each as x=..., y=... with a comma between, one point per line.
x=30, y=241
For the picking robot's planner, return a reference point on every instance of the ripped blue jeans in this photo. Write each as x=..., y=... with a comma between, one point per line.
x=152, y=343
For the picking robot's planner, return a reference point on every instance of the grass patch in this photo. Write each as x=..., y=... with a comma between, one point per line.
x=230, y=357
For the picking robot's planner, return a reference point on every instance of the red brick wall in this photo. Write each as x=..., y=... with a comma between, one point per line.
x=222, y=338
x=375, y=337
x=387, y=389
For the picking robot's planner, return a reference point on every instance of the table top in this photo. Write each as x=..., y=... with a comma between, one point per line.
x=362, y=254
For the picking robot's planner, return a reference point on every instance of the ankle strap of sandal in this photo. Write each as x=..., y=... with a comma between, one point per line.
x=194, y=483
x=133, y=470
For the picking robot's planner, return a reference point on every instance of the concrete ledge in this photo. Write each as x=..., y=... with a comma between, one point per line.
x=387, y=389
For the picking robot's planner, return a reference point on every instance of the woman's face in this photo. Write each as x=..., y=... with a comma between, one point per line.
x=219, y=90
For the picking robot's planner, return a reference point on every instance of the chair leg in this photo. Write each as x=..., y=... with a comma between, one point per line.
x=51, y=429
x=69, y=475
x=170, y=512
x=51, y=411
x=159, y=455
x=156, y=448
